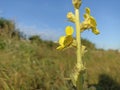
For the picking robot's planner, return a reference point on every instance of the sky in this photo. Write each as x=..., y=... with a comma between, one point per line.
x=47, y=18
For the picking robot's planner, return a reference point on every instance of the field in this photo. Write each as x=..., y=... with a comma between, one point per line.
x=37, y=65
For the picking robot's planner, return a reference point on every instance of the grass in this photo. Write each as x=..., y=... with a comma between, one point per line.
x=26, y=65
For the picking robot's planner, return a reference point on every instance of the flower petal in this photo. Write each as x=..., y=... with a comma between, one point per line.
x=93, y=21
x=60, y=47
x=69, y=30
x=95, y=31
x=68, y=41
x=61, y=40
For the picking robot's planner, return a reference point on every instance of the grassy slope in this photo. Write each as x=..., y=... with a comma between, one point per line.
x=39, y=66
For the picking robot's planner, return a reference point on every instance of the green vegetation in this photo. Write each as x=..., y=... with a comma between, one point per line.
x=35, y=64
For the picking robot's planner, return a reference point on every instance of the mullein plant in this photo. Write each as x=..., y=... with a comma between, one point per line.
x=68, y=41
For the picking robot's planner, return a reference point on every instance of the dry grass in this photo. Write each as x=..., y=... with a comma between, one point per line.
x=38, y=66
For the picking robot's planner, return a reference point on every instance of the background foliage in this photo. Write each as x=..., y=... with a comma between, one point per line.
x=35, y=64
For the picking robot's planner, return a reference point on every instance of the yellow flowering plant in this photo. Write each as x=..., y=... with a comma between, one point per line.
x=68, y=41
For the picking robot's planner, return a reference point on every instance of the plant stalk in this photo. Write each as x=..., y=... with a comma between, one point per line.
x=79, y=82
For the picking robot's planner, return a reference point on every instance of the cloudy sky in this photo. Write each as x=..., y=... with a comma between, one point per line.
x=47, y=18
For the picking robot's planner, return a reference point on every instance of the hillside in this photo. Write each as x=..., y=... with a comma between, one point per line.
x=35, y=64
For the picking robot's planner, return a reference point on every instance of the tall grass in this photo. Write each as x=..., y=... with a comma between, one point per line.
x=26, y=65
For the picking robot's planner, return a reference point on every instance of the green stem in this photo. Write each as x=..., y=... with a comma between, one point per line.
x=79, y=52
x=78, y=37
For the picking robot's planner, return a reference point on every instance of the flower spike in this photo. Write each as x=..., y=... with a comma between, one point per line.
x=78, y=74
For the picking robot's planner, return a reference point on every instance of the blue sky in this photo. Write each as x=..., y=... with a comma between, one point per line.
x=47, y=18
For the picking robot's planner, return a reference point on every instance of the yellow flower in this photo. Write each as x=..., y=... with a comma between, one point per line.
x=69, y=30
x=89, y=22
x=66, y=41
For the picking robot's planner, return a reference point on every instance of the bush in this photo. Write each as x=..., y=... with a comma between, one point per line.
x=35, y=39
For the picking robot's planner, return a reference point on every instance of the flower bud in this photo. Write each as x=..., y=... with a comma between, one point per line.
x=71, y=17
x=76, y=3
